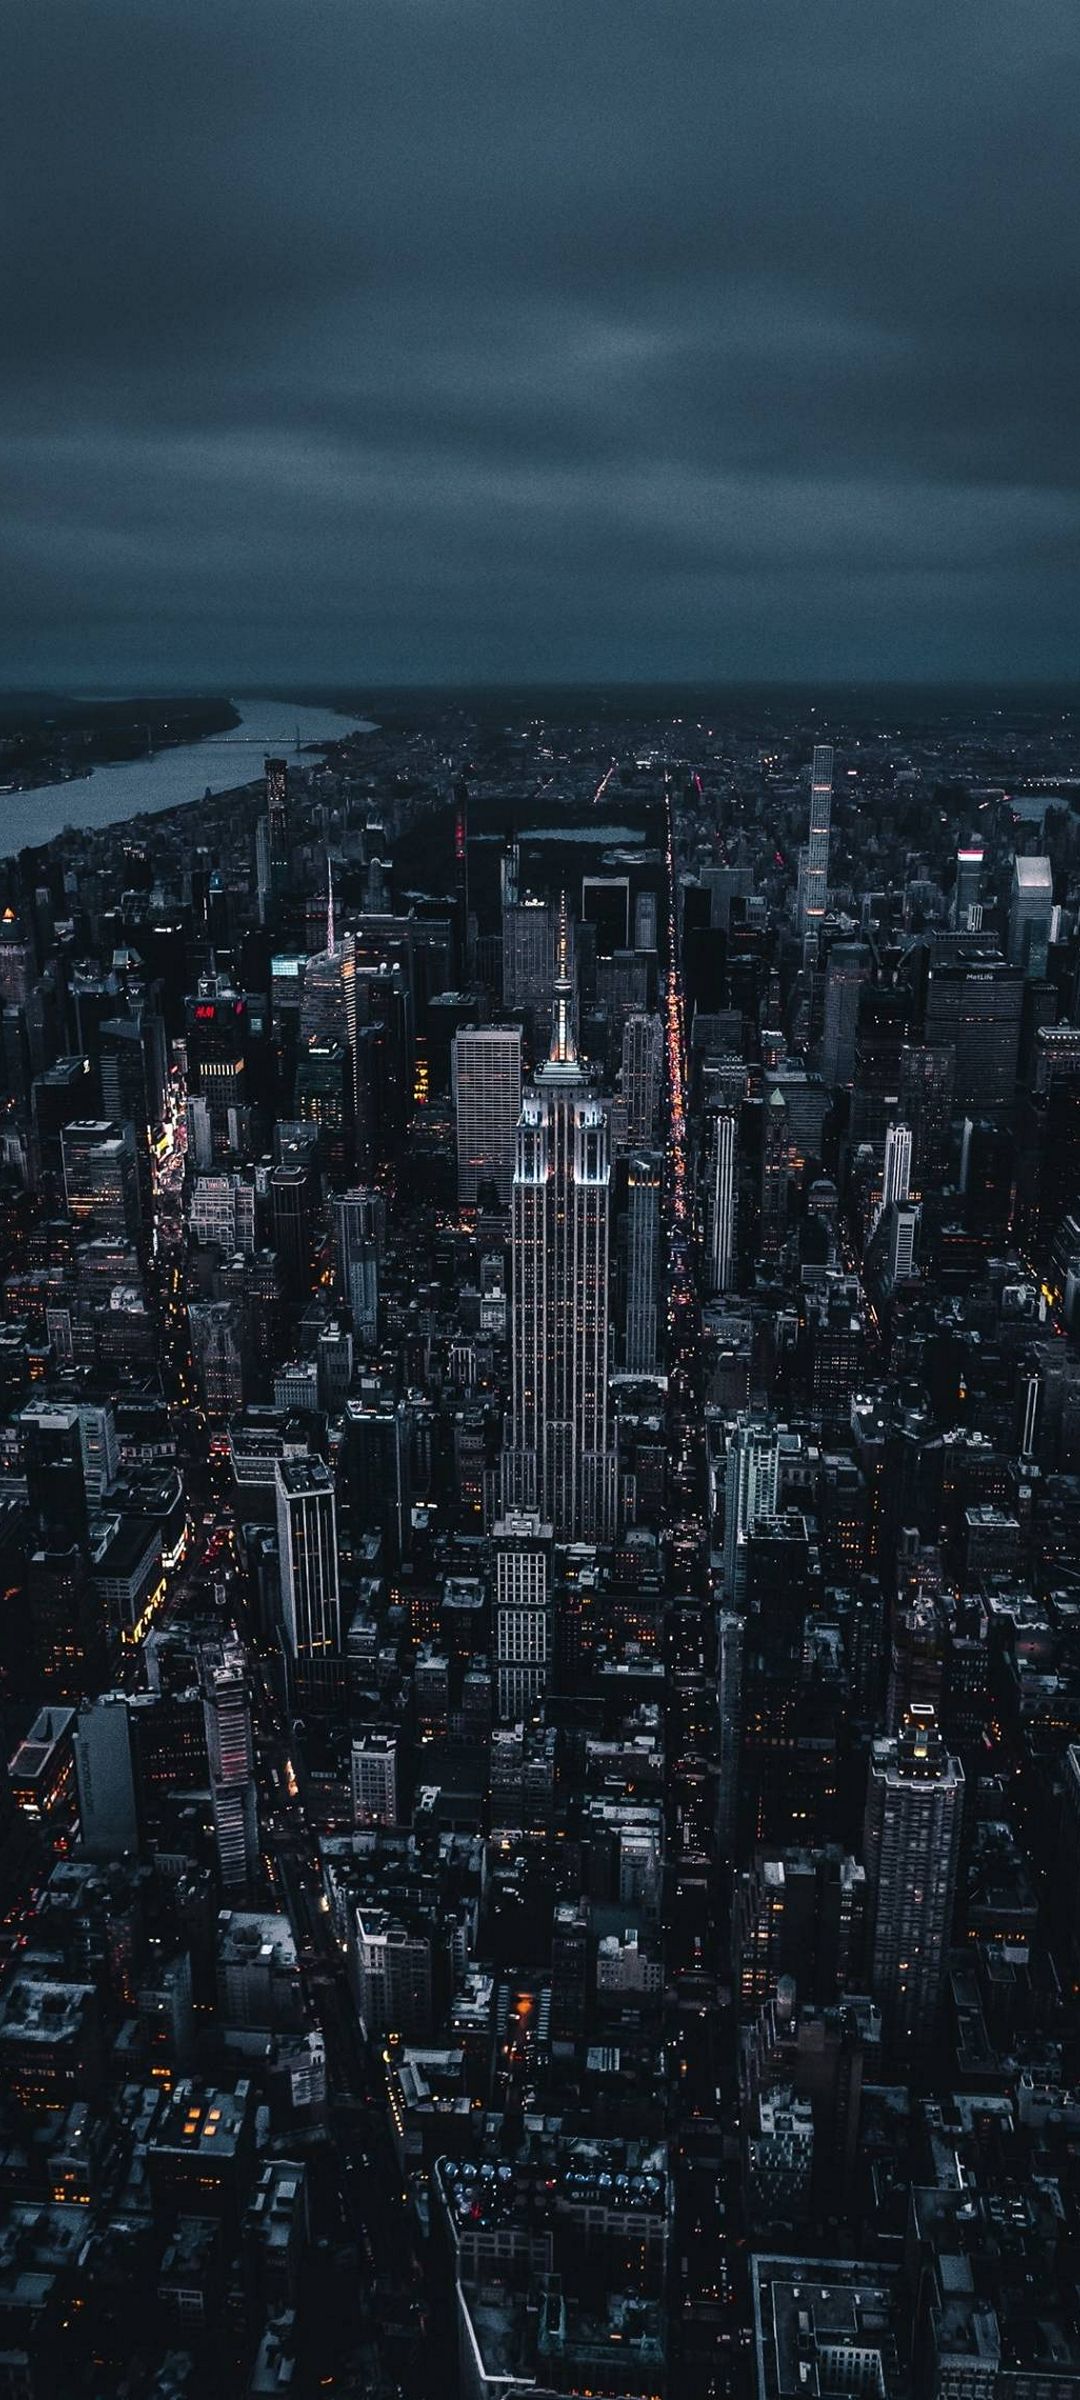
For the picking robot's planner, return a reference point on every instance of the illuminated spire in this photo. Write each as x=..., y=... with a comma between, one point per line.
x=329, y=906
x=563, y=1051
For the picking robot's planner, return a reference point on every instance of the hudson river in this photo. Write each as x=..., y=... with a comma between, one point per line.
x=218, y=763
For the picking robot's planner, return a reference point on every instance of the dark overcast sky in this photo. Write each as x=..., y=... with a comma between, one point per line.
x=483, y=339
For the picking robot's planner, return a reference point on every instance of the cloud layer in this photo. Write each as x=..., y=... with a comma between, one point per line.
x=430, y=339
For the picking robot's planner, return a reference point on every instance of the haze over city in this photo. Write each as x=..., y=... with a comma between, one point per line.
x=440, y=340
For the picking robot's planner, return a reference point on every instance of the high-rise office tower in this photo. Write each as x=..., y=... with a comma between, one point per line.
x=277, y=822
x=227, y=1717
x=105, y=1774
x=1031, y=908
x=926, y=1087
x=642, y=1263
x=814, y=866
x=903, y=1223
x=847, y=971
x=720, y=1200
x=101, y=1175
x=50, y=1437
x=133, y=1067
x=973, y=1007
x=217, y=1349
x=217, y=1036
x=359, y=1220
x=100, y=1449
x=374, y=1776
x=896, y=1176
x=307, y=1555
x=324, y=997
x=966, y=910
x=750, y=1492
x=560, y=1457
x=605, y=904
x=324, y=1098
x=523, y=1632
x=292, y=1211
x=642, y=1074
x=882, y=1029
x=486, y=1081
x=461, y=879
x=896, y=1181
x=530, y=939
x=911, y=1844
x=378, y=1470
x=645, y=921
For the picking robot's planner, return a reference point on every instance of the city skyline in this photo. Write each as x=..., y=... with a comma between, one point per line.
x=540, y=1666
x=540, y=1200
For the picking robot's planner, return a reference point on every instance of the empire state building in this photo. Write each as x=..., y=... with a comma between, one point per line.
x=559, y=1459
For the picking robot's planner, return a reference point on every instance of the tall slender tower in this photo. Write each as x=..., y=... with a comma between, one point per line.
x=642, y=1078
x=814, y=874
x=720, y=1201
x=911, y=1846
x=750, y=1491
x=559, y=1458
x=307, y=1554
x=896, y=1181
x=522, y=1614
x=277, y=822
x=642, y=1262
x=486, y=1077
x=227, y=1715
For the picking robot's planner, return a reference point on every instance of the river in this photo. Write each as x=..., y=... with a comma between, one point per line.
x=220, y=761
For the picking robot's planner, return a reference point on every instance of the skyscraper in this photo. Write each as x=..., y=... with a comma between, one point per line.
x=642, y=1263
x=926, y=1085
x=105, y=1773
x=523, y=1640
x=227, y=1716
x=307, y=1554
x=277, y=821
x=814, y=865
x=1031, y=907
x=642, y=1070
x=560, y=1458
x=486, y=1076
x=374, y=1776
x=848, y=969
x=359, y=1234
x=967, y=912
x=750, y=1492
x=896, y=1177
x=530, y=938
x=911, y=1844
x=973, y=1007
x=101, y=1175
x=720, y=1202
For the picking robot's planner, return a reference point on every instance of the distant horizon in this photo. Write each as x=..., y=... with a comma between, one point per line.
x=332, y=691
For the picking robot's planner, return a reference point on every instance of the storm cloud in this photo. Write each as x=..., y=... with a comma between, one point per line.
x=394, y=340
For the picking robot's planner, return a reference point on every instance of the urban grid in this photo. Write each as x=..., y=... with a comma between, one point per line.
x=540, y=1530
